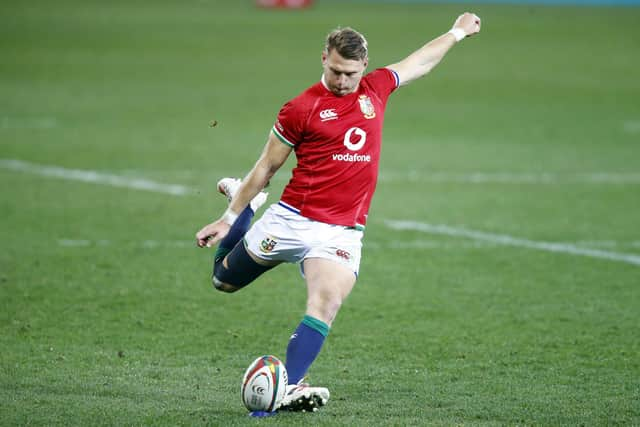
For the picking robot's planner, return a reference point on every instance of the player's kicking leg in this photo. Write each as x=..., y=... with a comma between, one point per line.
x=234, y=267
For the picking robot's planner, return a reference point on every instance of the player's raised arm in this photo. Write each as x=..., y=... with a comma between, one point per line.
x=428, y=56
x=273, y=156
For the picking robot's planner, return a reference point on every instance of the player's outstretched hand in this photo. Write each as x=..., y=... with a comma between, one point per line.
x=469, y=23
x=212, y=233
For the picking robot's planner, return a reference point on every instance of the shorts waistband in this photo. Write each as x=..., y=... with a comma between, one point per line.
x=288, y=207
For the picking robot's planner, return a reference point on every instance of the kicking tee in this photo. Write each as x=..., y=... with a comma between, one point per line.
x=337, y=142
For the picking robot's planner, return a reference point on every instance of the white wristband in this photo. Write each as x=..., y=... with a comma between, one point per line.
x=458, y=33
x=229, y=216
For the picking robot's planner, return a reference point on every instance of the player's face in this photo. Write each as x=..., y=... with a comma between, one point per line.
x=341, y=75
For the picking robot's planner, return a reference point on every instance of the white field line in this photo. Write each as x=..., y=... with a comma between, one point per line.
x=147, y=244
x=419, y=176
x=503, y=239
x=128, y=181
x=154, y=244
x=28, y=122
x=511, y=177
x=94, y=177
x=477, y=244
x=418, y=244
x=424, y=245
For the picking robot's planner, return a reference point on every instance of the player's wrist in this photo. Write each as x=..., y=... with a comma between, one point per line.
x=458, y=33
x=229, y=217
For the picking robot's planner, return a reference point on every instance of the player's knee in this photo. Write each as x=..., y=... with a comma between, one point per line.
x=237, y=270
x=326, y=307
x=222, y=286
x=332, y=308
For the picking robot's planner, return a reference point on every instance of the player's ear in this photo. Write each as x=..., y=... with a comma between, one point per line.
x=324, y=57
x=366, y=62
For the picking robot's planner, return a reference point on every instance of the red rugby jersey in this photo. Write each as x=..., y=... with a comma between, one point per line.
x=337, y=143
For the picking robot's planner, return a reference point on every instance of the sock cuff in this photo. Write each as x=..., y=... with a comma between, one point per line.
x=316, y=324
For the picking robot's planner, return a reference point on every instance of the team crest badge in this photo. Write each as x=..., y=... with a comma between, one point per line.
x=366, y=106
x=267, y=244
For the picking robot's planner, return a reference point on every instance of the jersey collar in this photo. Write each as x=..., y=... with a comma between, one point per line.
x=324, y=83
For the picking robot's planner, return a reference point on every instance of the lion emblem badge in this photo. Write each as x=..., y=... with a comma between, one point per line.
x=366, y=106
x=267, y=244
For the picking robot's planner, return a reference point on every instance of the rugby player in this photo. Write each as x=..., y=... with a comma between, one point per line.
x=335, y=129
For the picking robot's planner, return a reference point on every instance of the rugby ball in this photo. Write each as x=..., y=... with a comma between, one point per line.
x=264, y=384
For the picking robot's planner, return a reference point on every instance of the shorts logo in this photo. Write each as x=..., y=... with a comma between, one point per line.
x=366, y=106
x=329, y=114
x=267, y=244
x=343, y=254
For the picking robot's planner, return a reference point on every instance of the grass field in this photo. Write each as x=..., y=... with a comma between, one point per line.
x=500, y=281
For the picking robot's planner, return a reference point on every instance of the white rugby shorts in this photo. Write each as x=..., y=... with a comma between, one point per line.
x=284, y=235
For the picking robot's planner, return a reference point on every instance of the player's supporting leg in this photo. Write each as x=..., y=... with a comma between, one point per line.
x=231, y=249
x=304, y=346
x=328, y=285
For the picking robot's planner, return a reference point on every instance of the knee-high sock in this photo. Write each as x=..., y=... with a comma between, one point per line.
x=304, y=346
x=237, y=232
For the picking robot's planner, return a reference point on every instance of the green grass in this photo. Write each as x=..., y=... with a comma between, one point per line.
x=106, y=311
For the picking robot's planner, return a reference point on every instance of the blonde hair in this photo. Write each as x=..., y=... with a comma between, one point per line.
x=349, y=43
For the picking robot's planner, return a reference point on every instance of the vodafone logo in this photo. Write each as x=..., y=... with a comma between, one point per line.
x=357, y=143
x=354, y=140
x=329, y=114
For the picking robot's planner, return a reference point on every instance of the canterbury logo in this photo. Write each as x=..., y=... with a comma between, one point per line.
x=343, y=254
x=329, y=114
x=258, y=389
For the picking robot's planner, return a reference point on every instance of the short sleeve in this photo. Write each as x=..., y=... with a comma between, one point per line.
x=383, y=81
x=289, y=125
